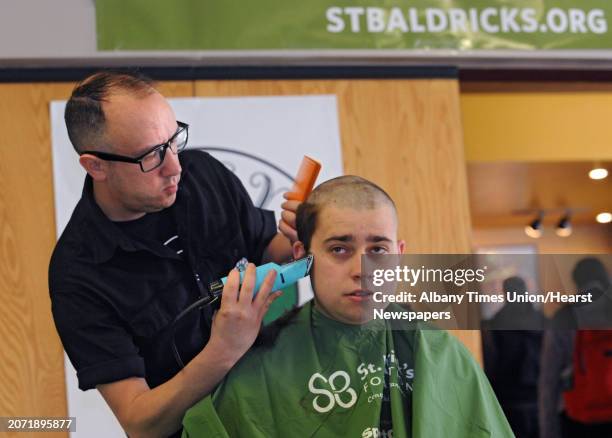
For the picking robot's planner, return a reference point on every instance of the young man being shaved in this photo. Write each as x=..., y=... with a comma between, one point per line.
x=330, y=369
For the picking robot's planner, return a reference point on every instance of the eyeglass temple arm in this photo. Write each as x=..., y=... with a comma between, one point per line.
x=110, y=157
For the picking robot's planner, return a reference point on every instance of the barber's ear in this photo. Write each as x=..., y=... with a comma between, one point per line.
x=298, y=250
x=95, y=167
x=401, y=245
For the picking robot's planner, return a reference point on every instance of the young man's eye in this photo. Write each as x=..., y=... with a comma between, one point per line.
x=338, y=250
x=379, y=250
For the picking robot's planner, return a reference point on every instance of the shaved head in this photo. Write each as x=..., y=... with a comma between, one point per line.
x=347, y=191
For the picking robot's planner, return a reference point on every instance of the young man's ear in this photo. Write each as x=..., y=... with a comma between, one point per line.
x=298, y=250
x=401, y=245
x=95, y=167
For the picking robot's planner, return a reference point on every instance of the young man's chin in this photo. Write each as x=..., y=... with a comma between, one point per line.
x=363, y=316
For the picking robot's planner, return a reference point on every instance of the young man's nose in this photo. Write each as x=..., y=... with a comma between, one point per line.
x=356, y=266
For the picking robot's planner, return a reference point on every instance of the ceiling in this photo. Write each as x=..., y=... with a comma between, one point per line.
x=507, y=194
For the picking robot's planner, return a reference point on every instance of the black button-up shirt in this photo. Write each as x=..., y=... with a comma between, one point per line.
x=114, y=295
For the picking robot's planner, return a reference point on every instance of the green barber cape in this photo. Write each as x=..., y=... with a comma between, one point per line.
x=322, y=378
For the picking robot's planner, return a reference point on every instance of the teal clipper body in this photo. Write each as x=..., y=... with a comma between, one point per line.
x=286, y=275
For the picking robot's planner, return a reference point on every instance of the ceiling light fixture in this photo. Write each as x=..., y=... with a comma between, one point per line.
x=564, y=227
x=604, y=218
x=534, y=229
x=598, y=172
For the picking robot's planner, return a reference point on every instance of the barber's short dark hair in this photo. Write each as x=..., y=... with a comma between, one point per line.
x=84, y=115
x=348, y=191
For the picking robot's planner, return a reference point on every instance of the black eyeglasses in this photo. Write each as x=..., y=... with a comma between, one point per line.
x=154, y=157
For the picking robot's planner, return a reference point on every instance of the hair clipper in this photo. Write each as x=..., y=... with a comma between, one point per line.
x=286, y=275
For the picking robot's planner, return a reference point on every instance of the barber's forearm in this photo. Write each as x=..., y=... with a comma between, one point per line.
x=160, y=411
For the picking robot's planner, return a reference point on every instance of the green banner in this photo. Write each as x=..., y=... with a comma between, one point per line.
x=355, y=24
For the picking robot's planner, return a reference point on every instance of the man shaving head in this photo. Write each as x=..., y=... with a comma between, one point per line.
x=343, y=219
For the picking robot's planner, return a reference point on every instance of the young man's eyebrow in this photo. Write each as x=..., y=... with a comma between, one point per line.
x=376, y=238
x=349, y=238
x=342, y=238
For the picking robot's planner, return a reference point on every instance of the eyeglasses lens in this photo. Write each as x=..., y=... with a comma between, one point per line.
x=176, y=144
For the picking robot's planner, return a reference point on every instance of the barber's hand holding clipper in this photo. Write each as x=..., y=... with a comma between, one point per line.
x=238, y=320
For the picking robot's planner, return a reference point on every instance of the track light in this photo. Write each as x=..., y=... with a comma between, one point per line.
x=604, y=218
x=534, y=229
x=598, y=172
x=564, y=227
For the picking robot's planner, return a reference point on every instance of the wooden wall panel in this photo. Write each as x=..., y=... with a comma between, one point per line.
x=31, y=356
x=405, y=135
x=176, y=88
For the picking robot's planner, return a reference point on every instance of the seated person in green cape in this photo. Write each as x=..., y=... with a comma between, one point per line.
x=329, y=369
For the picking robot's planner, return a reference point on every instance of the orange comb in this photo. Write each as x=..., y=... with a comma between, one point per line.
x=305, y=179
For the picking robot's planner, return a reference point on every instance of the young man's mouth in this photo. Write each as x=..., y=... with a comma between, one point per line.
x=359, y=295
